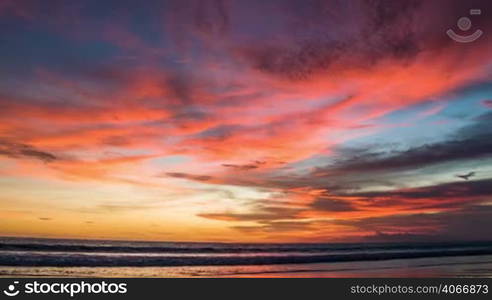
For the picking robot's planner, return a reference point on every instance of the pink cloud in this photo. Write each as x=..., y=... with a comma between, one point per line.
x=487, y=103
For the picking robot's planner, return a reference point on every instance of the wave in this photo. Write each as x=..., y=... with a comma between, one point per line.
x=154, y=247
x=145, y=255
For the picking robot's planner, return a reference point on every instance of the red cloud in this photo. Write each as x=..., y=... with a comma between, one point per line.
x=487, y=103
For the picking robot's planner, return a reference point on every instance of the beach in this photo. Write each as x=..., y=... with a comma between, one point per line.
x=474, y=266
x=75, y=258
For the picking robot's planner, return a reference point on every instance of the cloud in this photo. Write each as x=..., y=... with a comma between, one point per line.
x=418, y=157
x=211, y=18
x=276, y=227
x=439, y=197
x=342, y=38
x=44, y=156
x=487, y=103
x=262, y=213
x=121, y=207
x=19, y=150
x=188, y=176
x=471, y=142
x=470, y=223
x=154, y=97
x=360, y=214
x=443, y=191
x=245, y=167
x=45, y=219
x=323, y=204
x=304, y=58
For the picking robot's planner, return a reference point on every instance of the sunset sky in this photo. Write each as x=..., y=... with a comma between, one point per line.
x=250, y=121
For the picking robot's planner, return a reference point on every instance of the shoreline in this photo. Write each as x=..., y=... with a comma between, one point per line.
x=91, y=260
x=459, y=266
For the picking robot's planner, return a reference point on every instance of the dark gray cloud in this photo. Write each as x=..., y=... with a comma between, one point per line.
x=455, y=195
x=331, y=37
x=470, y=223
x=454, y=150
x=19, y=150
x=241, y=167
x=220, y=132
x=211, y=17
x=471, y=142
x=188, y=176
x=117, y=141
x=328, y=36
x=41, y=155
x=245, y=167
x=334, y=205
x=453, y=190
x=452, y=199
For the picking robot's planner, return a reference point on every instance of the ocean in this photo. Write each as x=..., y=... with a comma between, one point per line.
x=91, y=258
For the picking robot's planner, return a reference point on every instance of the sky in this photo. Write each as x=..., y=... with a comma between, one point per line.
x=245, y=121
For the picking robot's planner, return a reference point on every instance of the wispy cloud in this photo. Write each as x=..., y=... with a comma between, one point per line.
x=19, y=150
